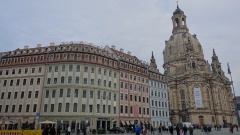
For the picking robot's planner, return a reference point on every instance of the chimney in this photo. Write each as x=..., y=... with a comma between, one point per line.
x=39, y=45
x=113, y=47
x=129, y=53
x=26, y=47
x=52, y=44
x=121, y=50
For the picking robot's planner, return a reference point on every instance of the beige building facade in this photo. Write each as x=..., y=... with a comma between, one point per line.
x=199, y=92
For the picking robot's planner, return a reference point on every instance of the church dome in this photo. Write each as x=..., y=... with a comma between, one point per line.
x=178, y=11
x=181, y=44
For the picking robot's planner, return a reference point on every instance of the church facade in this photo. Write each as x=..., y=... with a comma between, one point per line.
x=199, y=92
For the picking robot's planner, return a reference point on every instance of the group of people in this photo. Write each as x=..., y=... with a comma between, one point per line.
x=50, y=130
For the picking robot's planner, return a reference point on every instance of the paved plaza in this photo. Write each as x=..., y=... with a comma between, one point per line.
x=224, y=131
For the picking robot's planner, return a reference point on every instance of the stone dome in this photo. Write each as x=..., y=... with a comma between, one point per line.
x=181, y=44
x=178, y=11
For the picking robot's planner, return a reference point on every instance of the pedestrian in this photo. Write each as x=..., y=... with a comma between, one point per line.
x=84, y=129
x=46, y=130
x=69, y=130
x=144, y=131
x=88, y=130
x=152, y=130
x=178, y=130
x=237, y=127
x=171, y=130
x=58, y=130
x=185, y=130
x=190, y=130
x=52, y=130
x=138, y=129
x=159, y=130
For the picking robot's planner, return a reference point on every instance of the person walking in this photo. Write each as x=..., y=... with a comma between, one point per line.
x=88, y=130
x=159, y=130
x=190, y=129
x=69, y=130
x=58, y=130
x=138, y=130
x=171, y=130
x=152, y=130
x=144, y=132
x=52, y=130
x=178, y=130
x=46, y=130
x=185, y=130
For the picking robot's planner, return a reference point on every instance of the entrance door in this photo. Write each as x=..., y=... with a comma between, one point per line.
x=201, y=120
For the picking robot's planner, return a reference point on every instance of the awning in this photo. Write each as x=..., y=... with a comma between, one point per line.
x=131, y=122
x=127, y=122
x=123, y=123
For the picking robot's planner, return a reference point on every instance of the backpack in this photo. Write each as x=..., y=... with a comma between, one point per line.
x=138, y=129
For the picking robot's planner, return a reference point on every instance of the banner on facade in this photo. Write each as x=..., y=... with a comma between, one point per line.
x=198, y=98
x=135, y=110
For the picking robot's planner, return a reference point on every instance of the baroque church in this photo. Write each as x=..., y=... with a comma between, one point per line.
x=199, y=92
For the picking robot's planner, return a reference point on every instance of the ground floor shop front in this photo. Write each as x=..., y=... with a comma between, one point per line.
x=75, y=123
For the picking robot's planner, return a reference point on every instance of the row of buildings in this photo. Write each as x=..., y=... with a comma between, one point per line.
x=79, y=83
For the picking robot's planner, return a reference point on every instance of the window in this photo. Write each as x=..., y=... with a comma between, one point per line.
x=99, y=70
x=61, y=93
x=47, y=94
x=91, y=94
x=48, y=80
x=85, y=69
x=34, y=107
x=70, y=79
x=31, y=81
x=104, y=95
x=13, y=108
x=83, y=107
x=20, y=108
x=13, y=71
x=115, y=85
x=62, y=79
x=59, y=107
x=84, y=94
x=104, y=83
x=18, y=82
x=114, y=110
x=36, y=94
x=75, y=107
x=29, y=94
x=27, y=108
x=15, y=95
x=63, y=68
x=70, y=68
x=26, y=70
x=109, y=84
x=56, y=68
x=2, y=72
x=50, y=69
x=78, y=68
x=109, y=96
x=68, y=92
x=84, y=80
x=33, y=70
x=39, y=69
x=9, y=95
x=115, y=74
x=131, y=109
x=92, y=81
x=19, y=71
x=4, y=83
x=104, y=108
x=98, y=95
x=67, y=107
x=98, y=108
x=126, y=109
x=99, y=82
x=38, y=81
x=92, y=70
x=90, y=108
x=140, y=110
x=53, y=93
x=109, y=108
x=52, y=108
x=7, y=71
x=76, y=93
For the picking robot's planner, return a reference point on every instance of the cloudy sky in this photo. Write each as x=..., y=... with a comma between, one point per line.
x=138, y=26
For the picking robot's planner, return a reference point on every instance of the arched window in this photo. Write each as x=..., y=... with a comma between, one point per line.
x=182, y=93
x=75, y=107
x=78, y=68
x=63, y=68
x=77, y=80
x=176, y=22
x=67, y=107
x=193, y=65
x=59, y=107
x=99, y=82
x=183, y=21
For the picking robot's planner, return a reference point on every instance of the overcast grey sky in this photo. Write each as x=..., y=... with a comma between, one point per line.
x=139, y=26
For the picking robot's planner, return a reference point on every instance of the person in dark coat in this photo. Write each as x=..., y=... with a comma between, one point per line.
x=190, y=129
x=185, y=130
x=178, y=130
x=84, y=130
x=159, y=130
x=46, y=130
x=58, y=130
x=52, y=130
x=171, y=130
